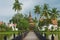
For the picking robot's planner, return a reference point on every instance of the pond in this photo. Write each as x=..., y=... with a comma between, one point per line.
x=52, y=36
x=56, y=36
x=7, y=36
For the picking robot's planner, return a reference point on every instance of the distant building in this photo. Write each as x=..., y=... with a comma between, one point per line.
x=53, y=21
x=13, y=26
x=1, y=23
x=54, y=24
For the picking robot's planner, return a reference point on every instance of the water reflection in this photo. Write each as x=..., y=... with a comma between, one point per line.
x=11, y=36
x=7, y=36
x=53, y=37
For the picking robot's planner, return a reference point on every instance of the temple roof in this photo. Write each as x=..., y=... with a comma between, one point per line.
x=54, y=21
x=1, y=23
x=31, y=20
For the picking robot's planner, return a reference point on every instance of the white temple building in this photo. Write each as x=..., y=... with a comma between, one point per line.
x=13, y=26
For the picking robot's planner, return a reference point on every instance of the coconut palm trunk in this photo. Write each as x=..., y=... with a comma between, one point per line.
x=17, y=7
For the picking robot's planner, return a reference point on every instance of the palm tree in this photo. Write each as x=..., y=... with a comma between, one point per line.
x=54, y=16
x=54, y=13
x=37, y=10
x=45, y=14
x=17, y=6
x=45, y=11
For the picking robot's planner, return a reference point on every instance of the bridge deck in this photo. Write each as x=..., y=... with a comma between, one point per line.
x=31, y=36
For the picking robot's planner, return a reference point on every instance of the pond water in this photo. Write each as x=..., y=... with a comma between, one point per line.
x=53, y=36
x=7, y=36
x=11, y=36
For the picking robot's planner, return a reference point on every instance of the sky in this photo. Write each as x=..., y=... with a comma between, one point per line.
x=6, y=11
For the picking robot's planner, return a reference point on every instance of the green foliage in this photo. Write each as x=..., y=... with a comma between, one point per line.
x=26, y=17
x=21, y=21
x=54, y=13
x=16, y=18
x=46, y=14
x=45, y=7
x=3, y=27
x=35, y=20
x=45, y=11
x=44, y=22
x=40, y=24
x=8, y=29
x=46, y=29
x=23, y=24
x=58, y=22
x=17, y=6
x=37, y=9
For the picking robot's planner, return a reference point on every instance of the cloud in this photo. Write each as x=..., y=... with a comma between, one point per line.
x=6, y=11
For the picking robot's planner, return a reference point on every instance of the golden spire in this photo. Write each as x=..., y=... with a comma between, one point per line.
x=31, y=21
x=29, y=14
x=30, y=18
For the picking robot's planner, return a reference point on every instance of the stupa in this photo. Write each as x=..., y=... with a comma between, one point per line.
x=31, y=23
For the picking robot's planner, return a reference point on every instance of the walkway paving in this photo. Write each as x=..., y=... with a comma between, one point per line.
x=56, y=37
x=31, y=36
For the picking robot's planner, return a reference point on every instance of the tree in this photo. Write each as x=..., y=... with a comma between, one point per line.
x=45, y=11
x=58, y=22
x=54, y=16
x=26, y=17
x=16, y=18
x=40, y=24
x=37, y=10
x=54, y=13
x=2, y=27
x=23, y=24
x=35, y=19
x=46, y=14
x=17, y=6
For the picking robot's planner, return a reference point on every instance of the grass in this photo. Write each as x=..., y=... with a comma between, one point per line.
x=10, y=32
x=47, y=32
x=50, y=32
